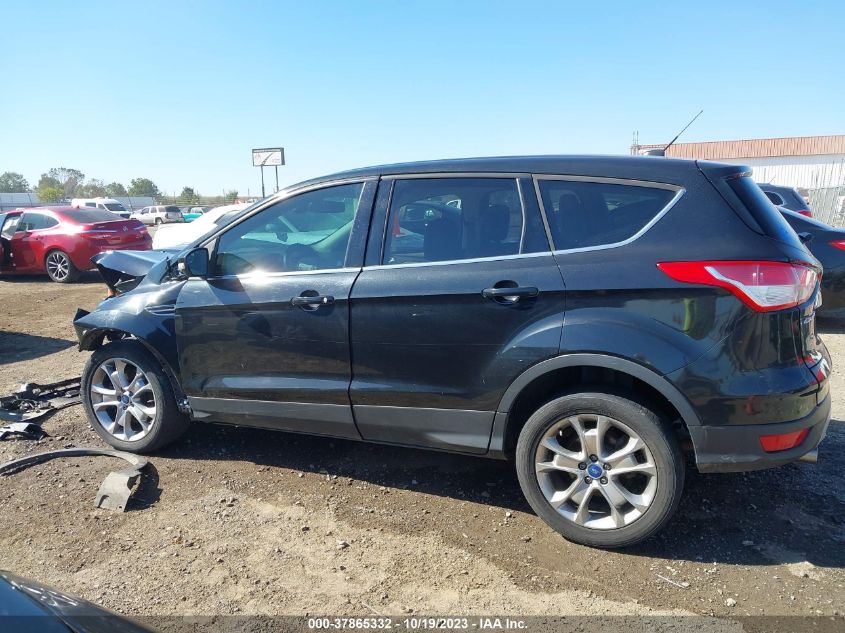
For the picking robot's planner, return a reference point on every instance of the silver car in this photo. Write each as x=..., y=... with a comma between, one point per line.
x=159, y=214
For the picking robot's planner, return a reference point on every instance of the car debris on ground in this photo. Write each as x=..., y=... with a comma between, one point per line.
x=25, y=430
x=32, y=400
x=116, y=488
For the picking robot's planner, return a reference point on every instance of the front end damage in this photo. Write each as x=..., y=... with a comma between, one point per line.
x=141, y=305
x=125, y=270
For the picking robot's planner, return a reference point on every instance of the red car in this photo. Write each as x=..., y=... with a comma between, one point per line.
x=62, y=240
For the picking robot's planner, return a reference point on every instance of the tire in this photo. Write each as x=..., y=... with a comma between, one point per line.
x=563, y=473
x=158, y=221
x=60, y=268
x=151, y=401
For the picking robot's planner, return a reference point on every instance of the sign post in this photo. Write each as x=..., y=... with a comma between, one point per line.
x=274, y=156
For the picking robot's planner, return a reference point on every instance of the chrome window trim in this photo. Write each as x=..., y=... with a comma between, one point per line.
x=457, y=174
x=257, y=275
x=449, y=262
x=524, y=219
x=679, y=192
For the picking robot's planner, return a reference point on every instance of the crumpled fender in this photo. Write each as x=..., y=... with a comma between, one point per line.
x=123, y=270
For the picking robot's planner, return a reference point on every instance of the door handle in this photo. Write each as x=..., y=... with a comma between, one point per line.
x=311, y=301
x=510, y=295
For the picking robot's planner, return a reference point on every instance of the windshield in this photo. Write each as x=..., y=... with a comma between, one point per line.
x=115, y=206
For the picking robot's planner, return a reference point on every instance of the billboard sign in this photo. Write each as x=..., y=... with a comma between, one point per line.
x=268, y=156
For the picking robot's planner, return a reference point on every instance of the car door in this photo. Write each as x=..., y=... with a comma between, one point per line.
x=459, y=295
x=264, y=339
x=8, y=226
x=27, y=245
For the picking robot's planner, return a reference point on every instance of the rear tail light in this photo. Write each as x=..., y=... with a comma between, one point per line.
x=762, y=286
x=782, y=441
x=805, y=212
x=840, y=244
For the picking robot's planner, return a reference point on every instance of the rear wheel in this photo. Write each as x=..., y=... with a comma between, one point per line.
x=129, y=398
x=158, y=221
x=60, y=268
x=601, y=469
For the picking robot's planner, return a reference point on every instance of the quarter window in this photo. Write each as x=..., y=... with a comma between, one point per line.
x=775, y=198
x=309, y=231
x=583, y=214
x=446, y=219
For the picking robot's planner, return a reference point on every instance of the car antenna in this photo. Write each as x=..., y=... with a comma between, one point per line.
x=672, y=142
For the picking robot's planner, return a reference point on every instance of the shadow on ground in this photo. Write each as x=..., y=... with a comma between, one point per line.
x=790, y=514
x=18, y=346
x=87, y=277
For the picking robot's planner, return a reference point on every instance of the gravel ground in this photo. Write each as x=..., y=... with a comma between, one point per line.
x=243, y=521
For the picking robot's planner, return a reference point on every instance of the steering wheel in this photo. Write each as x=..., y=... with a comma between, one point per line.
x=296, y=254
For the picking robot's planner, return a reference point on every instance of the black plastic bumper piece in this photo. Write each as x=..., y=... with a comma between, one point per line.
x=731, y=449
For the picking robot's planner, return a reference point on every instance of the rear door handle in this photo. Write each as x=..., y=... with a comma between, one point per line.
x=510, y=295
x=312, y=301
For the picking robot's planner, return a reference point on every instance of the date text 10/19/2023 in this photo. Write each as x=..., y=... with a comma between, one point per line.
x=417, y=623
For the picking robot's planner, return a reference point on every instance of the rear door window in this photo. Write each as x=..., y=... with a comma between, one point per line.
x=584, y=214
x=35, y=222
x=450, y=219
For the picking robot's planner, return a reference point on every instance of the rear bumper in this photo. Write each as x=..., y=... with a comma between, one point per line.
x=727, y=449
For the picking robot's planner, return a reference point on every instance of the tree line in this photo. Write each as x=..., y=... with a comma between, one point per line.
x=64, y=183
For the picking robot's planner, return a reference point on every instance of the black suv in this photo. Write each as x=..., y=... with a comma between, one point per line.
x=596, y=319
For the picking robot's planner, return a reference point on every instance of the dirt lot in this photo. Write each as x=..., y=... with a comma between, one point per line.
x=251, y=522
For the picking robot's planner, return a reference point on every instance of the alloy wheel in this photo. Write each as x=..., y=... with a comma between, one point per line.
x=58, y=266
x=123, y=400
x=596, y=471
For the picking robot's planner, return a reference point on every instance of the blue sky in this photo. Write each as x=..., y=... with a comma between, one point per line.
x=180, y=92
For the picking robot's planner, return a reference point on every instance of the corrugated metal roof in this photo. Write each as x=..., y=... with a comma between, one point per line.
x=757, y=148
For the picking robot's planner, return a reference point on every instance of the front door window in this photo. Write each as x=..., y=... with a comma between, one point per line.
x=306, y=232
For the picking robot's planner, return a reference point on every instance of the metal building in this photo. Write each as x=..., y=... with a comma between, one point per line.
x=815, y=165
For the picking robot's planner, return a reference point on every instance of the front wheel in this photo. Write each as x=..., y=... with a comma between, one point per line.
x=601, y=469
x=60, y=268
x=129, y=399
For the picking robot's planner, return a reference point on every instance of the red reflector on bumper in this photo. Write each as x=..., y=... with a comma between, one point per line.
x=782, y=442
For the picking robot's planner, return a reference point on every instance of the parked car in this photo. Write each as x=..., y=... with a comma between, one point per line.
x=159, y=214
x=828, y=246
x=27, y=606
x=599, y=320
x=175, y=236
x=61, y=240
x=192, y=213
x=786, y=197
x=106, y=204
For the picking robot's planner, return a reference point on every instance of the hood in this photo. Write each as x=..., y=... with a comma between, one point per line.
x=29, y=606
x=123, y=270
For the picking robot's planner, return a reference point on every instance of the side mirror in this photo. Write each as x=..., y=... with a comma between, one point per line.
x=194, y=263
x=806, y=238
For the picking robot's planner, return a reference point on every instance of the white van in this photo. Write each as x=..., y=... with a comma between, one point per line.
x=106, y=204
